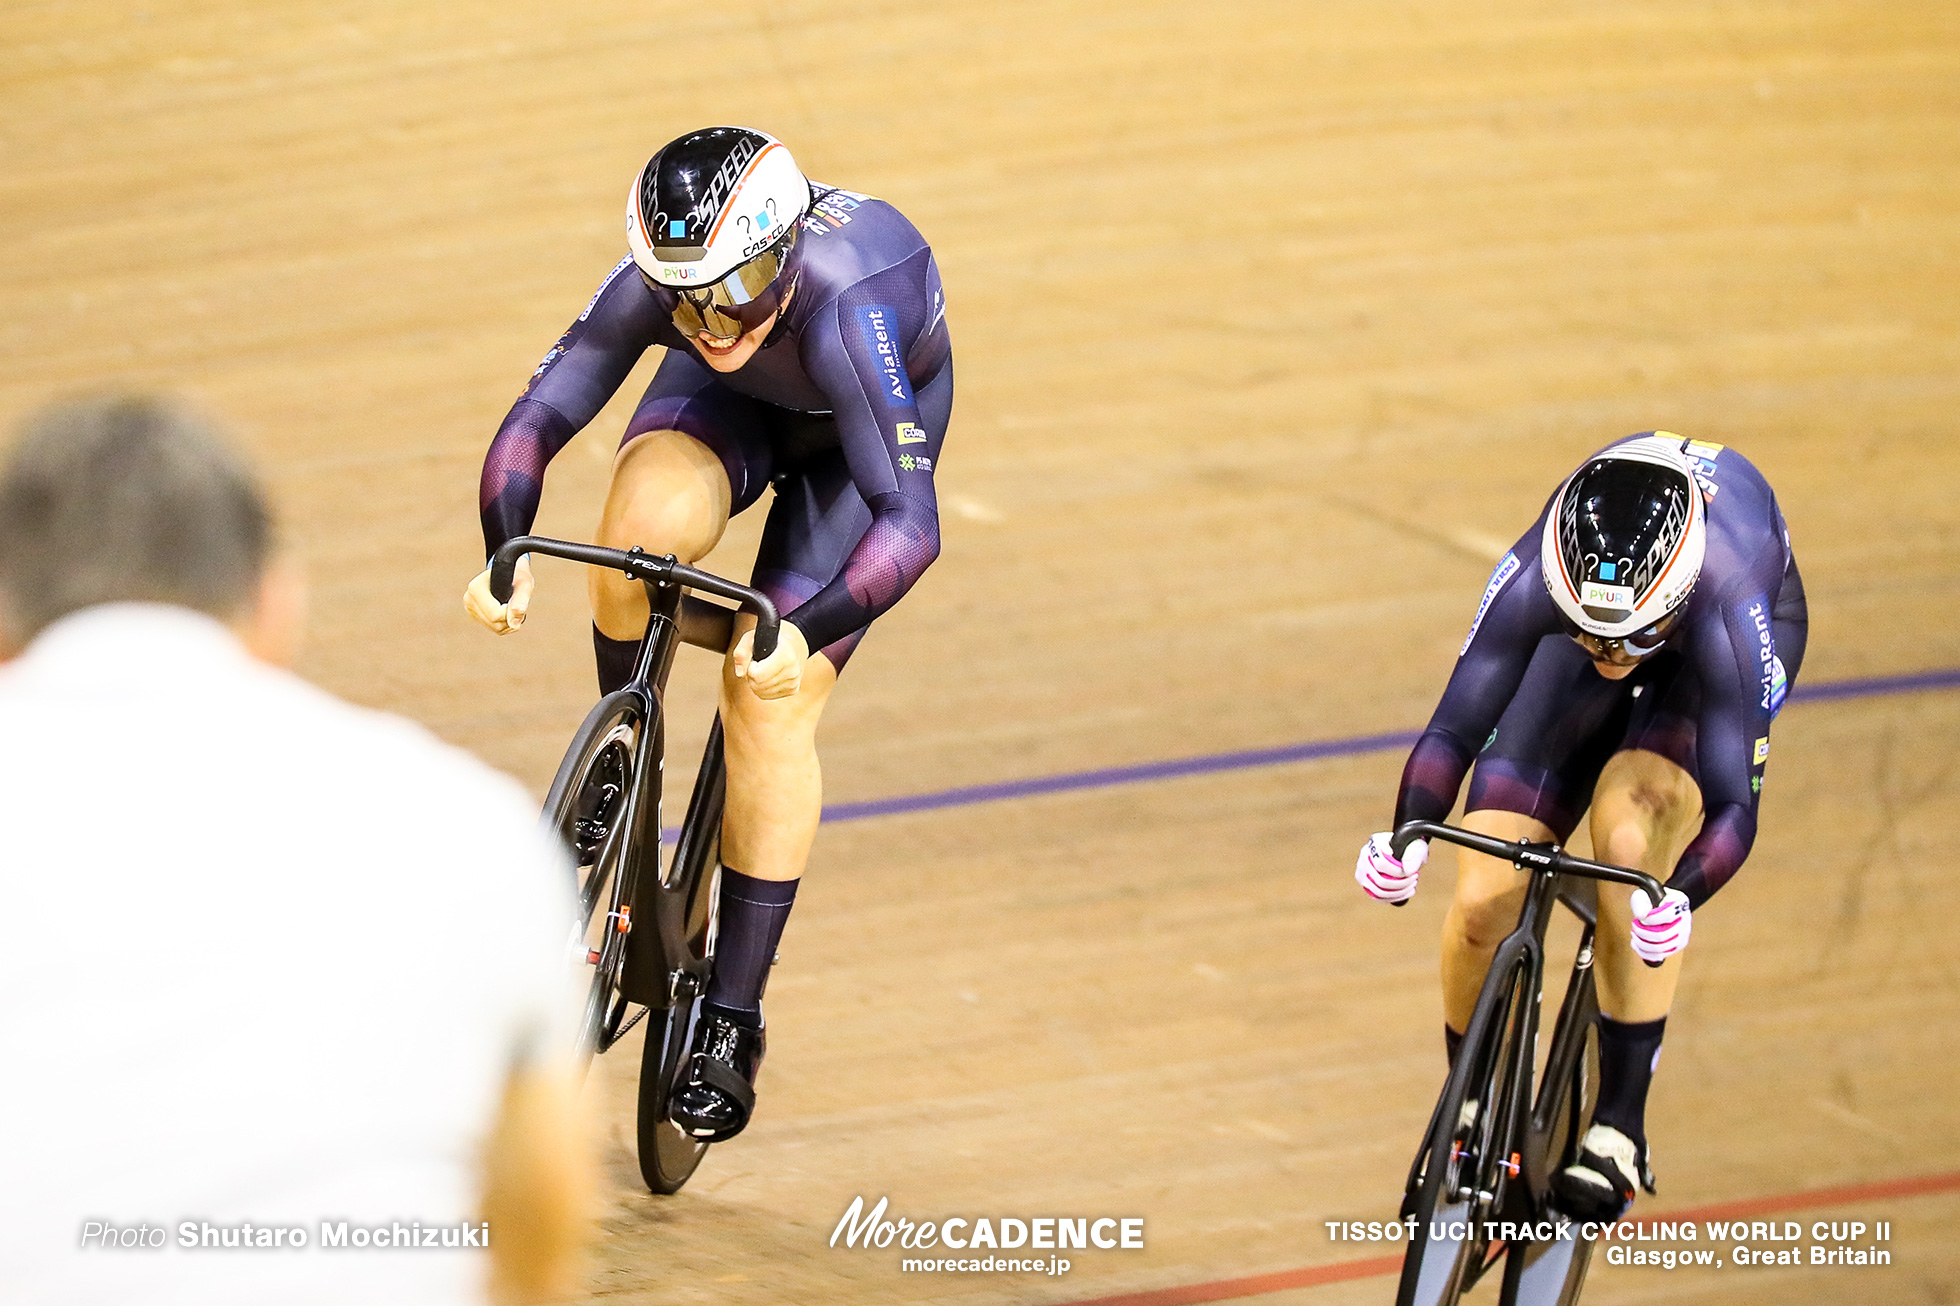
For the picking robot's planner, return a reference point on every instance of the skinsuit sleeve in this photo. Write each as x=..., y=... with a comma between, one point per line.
x=855, y=349
x=1515, y=614
x=570, y=386
x=1732, y=654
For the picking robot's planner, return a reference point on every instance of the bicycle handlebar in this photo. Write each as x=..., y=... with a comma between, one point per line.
x=1525, y=856
x=640, y=565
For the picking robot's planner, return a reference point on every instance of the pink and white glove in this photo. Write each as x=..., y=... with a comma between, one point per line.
x=1661, y=931
x=1384, y=878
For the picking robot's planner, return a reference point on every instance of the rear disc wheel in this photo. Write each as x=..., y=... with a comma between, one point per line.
x=668, y=1157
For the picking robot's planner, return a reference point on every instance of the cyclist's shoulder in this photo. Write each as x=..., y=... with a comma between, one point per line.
x=622, y=303
x=850, y=238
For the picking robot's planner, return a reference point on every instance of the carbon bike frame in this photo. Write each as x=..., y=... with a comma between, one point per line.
x=1520, y=1145
x=674, y=901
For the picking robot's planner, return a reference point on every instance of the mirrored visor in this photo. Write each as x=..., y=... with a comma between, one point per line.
x=1628, y=651
x=739, y=302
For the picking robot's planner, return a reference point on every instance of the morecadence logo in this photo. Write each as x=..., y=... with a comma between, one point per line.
x=880, y=1228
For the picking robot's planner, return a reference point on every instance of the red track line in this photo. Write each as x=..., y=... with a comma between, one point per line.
x=1313, y=1276
x=1259, y=1284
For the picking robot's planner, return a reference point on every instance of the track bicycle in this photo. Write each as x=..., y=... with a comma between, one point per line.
x=645, y=929
x=1491, y=1148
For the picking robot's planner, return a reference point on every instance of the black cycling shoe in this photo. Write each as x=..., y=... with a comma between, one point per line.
x=716, y=1094
x=1599, y=1186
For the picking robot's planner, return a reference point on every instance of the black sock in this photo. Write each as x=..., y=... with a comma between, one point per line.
x=750, y=925
x=1452, y=1043
x=615, y=658
x=1627, y=1056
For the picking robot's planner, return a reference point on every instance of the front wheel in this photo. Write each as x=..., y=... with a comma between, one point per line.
x=1467, y=1159
x=590, y=808
x=687, y=893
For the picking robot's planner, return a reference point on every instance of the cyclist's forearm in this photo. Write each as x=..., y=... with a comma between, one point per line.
x=512, y=484
x=1432, y=777
x=1717, y=853
x=902, y=542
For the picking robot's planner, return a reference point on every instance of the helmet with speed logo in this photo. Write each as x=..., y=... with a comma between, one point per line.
x=712, y=221
x=1623, y=547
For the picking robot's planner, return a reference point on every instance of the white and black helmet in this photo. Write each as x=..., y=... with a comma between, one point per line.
x=712, y=220
x=1623, y=546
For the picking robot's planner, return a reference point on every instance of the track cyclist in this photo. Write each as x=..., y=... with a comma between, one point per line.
x=806, y=347
x=1629, y=654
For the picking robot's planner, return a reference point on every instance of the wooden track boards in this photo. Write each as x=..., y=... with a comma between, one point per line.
x=1274, y=325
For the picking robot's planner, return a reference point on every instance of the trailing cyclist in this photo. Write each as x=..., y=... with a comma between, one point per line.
x=1628, y=656
x=806, y=348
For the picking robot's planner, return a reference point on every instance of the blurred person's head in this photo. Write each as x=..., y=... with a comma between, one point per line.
x=136, y=499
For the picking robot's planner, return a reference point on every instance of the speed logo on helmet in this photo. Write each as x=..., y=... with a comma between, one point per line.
x=711, y=201
x=1624, y=543
x=711, y=221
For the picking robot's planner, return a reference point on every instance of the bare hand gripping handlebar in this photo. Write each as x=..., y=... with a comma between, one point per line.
x=640, y=565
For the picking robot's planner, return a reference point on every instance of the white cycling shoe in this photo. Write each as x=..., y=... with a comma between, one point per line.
x=1599, y=1186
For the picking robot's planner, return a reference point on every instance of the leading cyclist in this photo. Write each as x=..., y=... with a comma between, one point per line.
x=1628, y=655
x=806, y=348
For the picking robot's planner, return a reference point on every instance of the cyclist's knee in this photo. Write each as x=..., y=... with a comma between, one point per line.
x=1623, y=843
x=777, y=724
x=669, y=494
x=1488, y=896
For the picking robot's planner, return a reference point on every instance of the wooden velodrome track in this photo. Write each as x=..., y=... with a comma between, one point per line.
x=1275, y=323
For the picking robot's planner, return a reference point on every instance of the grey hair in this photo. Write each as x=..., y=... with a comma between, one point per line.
x=126, y=498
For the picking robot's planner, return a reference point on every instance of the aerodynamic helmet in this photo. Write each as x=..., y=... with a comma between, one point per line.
x=1623, y=547
x=712, y=221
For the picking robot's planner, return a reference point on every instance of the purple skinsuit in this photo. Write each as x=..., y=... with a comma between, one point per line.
x=1540, y=723
x=844, y=407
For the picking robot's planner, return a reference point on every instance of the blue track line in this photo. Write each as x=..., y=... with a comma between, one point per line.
x=1177, y=768
x=1108, y=777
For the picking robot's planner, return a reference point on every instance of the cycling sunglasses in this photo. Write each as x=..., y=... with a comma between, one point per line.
x=739, y=302
x=1629, y=650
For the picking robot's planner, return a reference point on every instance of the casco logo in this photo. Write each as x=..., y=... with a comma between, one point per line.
x=760, y=230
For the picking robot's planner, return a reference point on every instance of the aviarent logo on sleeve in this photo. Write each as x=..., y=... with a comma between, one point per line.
x=880, y=327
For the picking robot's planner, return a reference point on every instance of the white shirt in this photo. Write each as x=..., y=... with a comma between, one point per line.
x=264, y=957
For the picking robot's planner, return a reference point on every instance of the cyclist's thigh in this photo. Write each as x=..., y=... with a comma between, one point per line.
x=818, y=516
x=816, y=520
x=693, y=439
x=1645, y=809
x=1647, y=804
x=1545, y=756
x=1490, y=892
